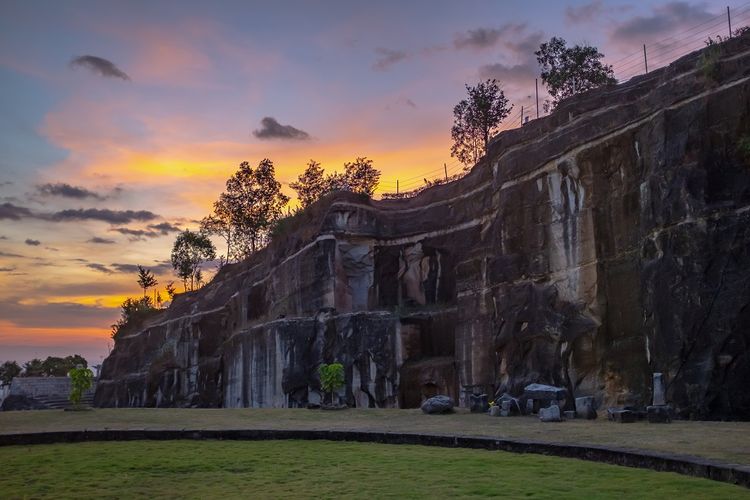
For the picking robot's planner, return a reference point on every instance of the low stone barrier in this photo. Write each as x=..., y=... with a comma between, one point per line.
x=662, y=462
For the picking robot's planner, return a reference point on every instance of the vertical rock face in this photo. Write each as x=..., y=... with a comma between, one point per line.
x=588, y=250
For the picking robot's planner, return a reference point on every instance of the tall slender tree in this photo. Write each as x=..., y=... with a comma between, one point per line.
x=476, y=119
x=190, y=250
x=146, y=279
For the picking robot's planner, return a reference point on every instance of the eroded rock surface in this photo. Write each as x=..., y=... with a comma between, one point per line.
x=588, y=250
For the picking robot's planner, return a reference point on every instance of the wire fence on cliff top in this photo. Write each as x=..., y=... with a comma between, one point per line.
x=647, y=58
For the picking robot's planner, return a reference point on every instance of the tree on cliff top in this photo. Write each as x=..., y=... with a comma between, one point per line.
x=190, y=250
x=567, y=71
x=146, y=279
x=246, y=211
x=359, y=176
x=311, y=185
x=475, y=120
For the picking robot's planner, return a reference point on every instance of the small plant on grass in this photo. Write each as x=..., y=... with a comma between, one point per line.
x=331, y=378
x=81, y=380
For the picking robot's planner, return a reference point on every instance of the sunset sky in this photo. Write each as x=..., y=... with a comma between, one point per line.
x=121, y=121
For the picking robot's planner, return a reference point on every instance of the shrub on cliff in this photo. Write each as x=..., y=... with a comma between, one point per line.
x=133, y=312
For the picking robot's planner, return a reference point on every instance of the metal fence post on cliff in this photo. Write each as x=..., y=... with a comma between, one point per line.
x=729, y=22
x=536, y=87
x=645, y=58
x=445, y=168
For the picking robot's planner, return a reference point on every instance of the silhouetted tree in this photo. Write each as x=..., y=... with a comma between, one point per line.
x=33, y=368
x=170, y=289
x=476, y=119
x=190, y=250
x=253, y=201
x=361, y=176
x=311, y=185
x=146, y=279
x=8, y=371
x=53, y=366
x=567, y=71
x=219, y=223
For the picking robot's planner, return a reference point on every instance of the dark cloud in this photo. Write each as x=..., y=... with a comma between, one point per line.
x=99, y=267
x=125, y=268
x=159, y=267
x=13, y=212
x=517, y=66
x=55, y=314
x=33, y=243
x=387, y=58
x=136, y=234
x=67, y=191
x=3, y=237
x=584, y=13
x=663, y=20
x=100, y=66
x=8, y=254
x=480, y=38
x=271, y=129
x=518, y=75
x=164, y=228
x=100, y=241
x=105, y=215
x=7, y=269
x=511, y=36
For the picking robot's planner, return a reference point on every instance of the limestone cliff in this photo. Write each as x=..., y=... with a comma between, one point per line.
x=588, y=249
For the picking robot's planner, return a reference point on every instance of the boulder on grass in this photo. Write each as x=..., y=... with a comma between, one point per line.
x=586, y=407
x=514, y=405
x=551, y=414
x=438, y=404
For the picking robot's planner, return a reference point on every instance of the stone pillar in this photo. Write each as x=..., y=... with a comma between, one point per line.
x=659, y=393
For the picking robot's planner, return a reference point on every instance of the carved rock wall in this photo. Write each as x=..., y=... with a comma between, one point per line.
x=588, y=249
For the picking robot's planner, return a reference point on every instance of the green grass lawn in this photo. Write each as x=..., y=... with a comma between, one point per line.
x=722, y=441
x=304, y=469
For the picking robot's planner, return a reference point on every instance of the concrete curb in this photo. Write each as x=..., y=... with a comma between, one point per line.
x=688, y=465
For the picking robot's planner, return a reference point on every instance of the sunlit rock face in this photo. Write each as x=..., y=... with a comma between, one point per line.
x=588, y=250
